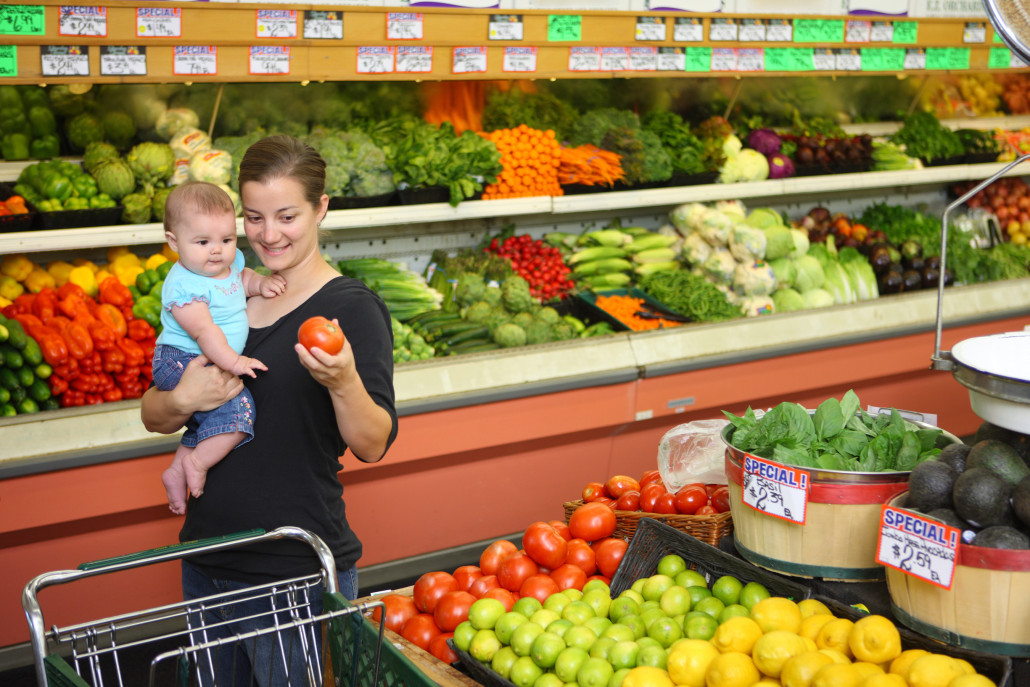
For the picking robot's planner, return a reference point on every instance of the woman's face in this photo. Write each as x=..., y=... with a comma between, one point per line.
x=280, y=223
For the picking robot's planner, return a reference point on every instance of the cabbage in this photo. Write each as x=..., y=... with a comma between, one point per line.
x=235, y=197
x=779, y=242
x=764, y=141
x=172, y=120
x=747, y=243
x=188, y=142
x=754, y=279
x=788, y=300
x=801, y=243
x=838, y=283
x=808, y=274
x=860, y=273
x=747, y=165
x=784, y=270
x=687, y=217
x=757, y=305
x=719, y=266
x=764, y=218
x=731, y=146
x=817, y=298
x=716, y=227
x=780, y=166
x=696, y=250
x=212, y=166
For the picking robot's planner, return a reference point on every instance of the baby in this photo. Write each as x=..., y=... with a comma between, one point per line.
x=204, y=302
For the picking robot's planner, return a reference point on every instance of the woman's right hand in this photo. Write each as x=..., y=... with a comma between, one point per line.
x=205, y=387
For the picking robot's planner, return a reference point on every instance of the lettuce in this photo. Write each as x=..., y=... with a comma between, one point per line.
x=809, y=273
x=779, y=242
x=788, y=300
x=785, y=271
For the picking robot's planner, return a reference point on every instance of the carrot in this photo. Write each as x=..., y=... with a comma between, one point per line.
x=589, y=165
x=529, y=160
x=625, y=308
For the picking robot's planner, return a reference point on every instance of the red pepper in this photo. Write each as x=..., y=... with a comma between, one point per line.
x=86, y=365
x=72, y=398
x=105, y=382
x=74, y=306
x=80, y=345
x=24, y=301
x=45, y=304
x=86, y=381
x=94, y=399
x=148, y=349
x=140, y=330
x=112, y=317
x=104, y=337
x=58, y=385
x=147, y=373
x=112, y=395
x=58, y=323
x=69, y=369
x=114, y=360
x=14, y=309
x=114, y=292
x=133, y=352
x=132, y=390
x=127, y=376
x=71, y=289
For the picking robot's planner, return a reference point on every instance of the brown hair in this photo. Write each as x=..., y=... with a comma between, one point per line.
x=198, y=196
x=282, y=156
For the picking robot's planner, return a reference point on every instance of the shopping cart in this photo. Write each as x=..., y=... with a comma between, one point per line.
x=188, y=639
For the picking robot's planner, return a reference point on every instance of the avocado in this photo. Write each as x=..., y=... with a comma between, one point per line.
x=1021, y=501
x=930, y=485
x=955, y=456
x=982, y=497
x=1018, y=441
x=948, y=517
x=999, y=458
x=1001, y=537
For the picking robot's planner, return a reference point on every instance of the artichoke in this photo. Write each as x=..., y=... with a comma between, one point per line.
x=84, y=129
x=137, y=208
x=157, y=204
x=115, y=178
x=151, y=163
x=98, y=153
x=119, y=128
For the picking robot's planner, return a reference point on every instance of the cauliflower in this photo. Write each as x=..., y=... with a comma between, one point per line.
x=172, y=120
x=688, y=217
x=187, y=142
x=212, y=166
x=716, y=228
x=754, y=279
x=719, y=266
x=757, y=305
x=696, y=250
x=510, y=335
x=747, y=243
x=747, y=165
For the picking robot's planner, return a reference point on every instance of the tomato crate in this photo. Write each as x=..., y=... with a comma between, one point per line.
x=708, y=528
x=654, y=540
x=996, y=667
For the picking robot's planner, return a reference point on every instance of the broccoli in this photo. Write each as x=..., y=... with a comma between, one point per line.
x=355, y=166
x=516, y=296
x=478, y=312
x=510, y=335
x=523, y=319
x=548, y=315
x=470, y=289
x=626, y=142
x=538, y=332
x=657, y=163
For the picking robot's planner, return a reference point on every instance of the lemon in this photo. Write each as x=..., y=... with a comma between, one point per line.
x=647, y=676
x=810, y=607
x=799, y=671
x=837, y=675
x=737, y=634
x=837, y=656
x=834, y=635
x=777, y=613
x=689, y=660
x=935, y=670
x=966, y=665
x=774, y=649
x=883, y=680
x=875, y=639
x=901, y=664
x=732, y=669
x=810, y=643
x=811, y=625
x=971, y=680
x=867, y=669
x=767, y=682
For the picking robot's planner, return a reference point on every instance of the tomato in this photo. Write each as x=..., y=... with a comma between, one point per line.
x=430, y=587
x=438, y=647
x=709, y=488
x=562, y=528
x=466, y=575
x=318, y=332
x=452, y=609
x=539, y=587
x=399, y=609
x=705, y=510
x=690, y=498
x=503, y=595
x=492, y=556
x=592, y=521
x=666, y=503
x=721, y=499
x=582, y=556
x=629, y=500
x=514, y=570
x=606, y=580
x=544, y=544
x=593, y=491
x=483, y=585
x=569, y=576
x=420, y=630
x=609, y=553
x=649, y=496
x=620, y=484
x=605, y=501
x=650, y=477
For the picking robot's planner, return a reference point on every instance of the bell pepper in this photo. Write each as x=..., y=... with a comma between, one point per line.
x=83, y=277
x=58, y=385
x=14, y=146
x=80, y=345
x=45, y=146
x=103, y=336
x=113, y=360
x=102, y=200
x=71, y=289
x=83, y=262
x=136, y=295
x=100, y=275
x=16, y=204
x=10, y=288
x=28, y=192
x=17, y=266
x=113, y=318
x=59, y=270
x=148, y=309
x=85, y=186
x=157, y=289
x=154, y=261
x=145, y=280
x=114, y=292
x=58, y=187
x=134, y=357
x=132, y=389
x=45, y=304
x=126, y=268
x=38, y=280
x=140, y=330
x=49, y=205
x=164, y=268
x=76, y=203
x=72, y=398
x=167, y=251
x=112, y=395
x=42, y=121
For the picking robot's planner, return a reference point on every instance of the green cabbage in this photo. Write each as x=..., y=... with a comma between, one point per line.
x=817, y=298
x=861, y=274
x=838, y=283
x=764, y=218
x=785, y=271
x=808, y=274
x=801, y=242
x=788, y=300
x=778, y=242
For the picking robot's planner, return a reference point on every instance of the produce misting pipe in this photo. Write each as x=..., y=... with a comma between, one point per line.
x=214, y=110
x=733, y=99
x=918, y=94
x=944, y=361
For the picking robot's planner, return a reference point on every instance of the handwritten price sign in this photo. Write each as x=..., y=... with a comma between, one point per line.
x=195, y=59
x=918, y=546
x=78, y=20
x=414, y=59
x=269, y=59
x=776, y=489
x=276, y=23
x=376, y=59
x=467, y=60
x=64, y=60
x=123, y=60
x=404, y=26
x=323, y=25
x=158, y=21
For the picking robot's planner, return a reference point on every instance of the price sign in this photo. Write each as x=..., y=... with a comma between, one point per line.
x=375, y=59
x=788, y=60
x=999, y=58
x=883, y=59
x=818, y=30
x=404, y=26
x=776, y=489
x=564, y=27
x=779, y=30
x=947, y=58
x=64, y=60
x=8, y=60
x=269, y=59
x=323, y=25
x=505, y=27
x=750, y=60
x=905, y=32
x=671, y=59
x=918, y=546
x=277, y=23
x=698, y=59
x=722, y=30
x=583, y=59
x=614, y=59
x=848, y=60
x=158, y=22
x=724, y=60
x=195, y=59
x=643, y=59
x=468, y=60
x=80, y=20
x=123, y=60
x=22, y=20
x=751, y=30
x=824, y=59
x=414, y=59
x=974, y=32
x=650, y=29
x=882, y=32
x=688, y=30
x=858, y=31
x=519, y=59
x=915, y=58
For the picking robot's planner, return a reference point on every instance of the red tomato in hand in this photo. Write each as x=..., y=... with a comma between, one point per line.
x=721, y=499
x=438, y=647
x=690, y=498
x=420, y=630
x=650, y=477
x=452, y=609
x=483, y=585
x=666, y=503
x=539, y=587
x=593, y=491
x=562, y=528
x=318, y=332
x=649, y=496
x=592, y=521
x=705, y=510
x=492, y=556
x=630, y=500
x=582, y=556
x=569, y=576
x=399, y=609
x=430, y=587
x=545, y=545
x=514, y=571
x=466, y=575
x=620, y=484
x=609, y=553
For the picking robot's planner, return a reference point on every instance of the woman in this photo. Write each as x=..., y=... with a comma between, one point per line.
x=311, y=406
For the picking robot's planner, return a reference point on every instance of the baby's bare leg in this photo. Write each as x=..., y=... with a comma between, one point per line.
x=174, y=479
x=205, y=456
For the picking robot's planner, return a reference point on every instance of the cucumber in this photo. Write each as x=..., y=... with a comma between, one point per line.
x=16, y=335
x=422, y=317
x=450, y=330
x=25, y=377
x=32, y=353
x=8, y=379
x=474, y=346
x=479, y=333
x=18, y=394
x=11, y=357
x=39, y=391
x=7, y=410
x=27, y=406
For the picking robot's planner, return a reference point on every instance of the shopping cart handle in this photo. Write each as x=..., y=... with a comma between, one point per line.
x=171, y=548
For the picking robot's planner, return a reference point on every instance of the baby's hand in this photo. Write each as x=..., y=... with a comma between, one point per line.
x=246, y=366
x=273, y=285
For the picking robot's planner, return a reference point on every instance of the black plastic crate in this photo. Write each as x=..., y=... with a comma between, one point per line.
x=993, y=666
x=21, y=222
x=654, y=540
x=589, y=299
x=68, y=219
x=360, y=202
x=420, y=196
x=479, y=672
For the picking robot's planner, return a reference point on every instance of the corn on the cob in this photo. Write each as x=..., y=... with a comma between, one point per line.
x=595, y=253
x=604, y=237
x=612, y=280
x=602, y=267
x=642, y=243
x=652, y=267
x=655, y=255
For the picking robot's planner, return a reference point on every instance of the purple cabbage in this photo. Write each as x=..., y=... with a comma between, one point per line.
x=780, y=166
x=765, y=141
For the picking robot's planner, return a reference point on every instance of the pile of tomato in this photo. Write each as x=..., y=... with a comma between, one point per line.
x=538, y=263
x=648, y=494
x=554, y=557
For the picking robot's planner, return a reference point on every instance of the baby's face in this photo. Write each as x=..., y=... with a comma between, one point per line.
x=206, y=243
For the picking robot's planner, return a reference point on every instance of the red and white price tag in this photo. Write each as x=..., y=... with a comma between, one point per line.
x=858, y=31
x=404, y=26
x=643, y=59
x=584, y=59
x=918, y=546
x=82, y=20
x=195, y=59
x=375, y=59
x=519, y=59
x=466, y=60
x=414, y=59
x=277, y=23
x=269, y=59
x=159, y=21
x=614, y=59
x=776, y=489
x=724, y=60
x=750, y=60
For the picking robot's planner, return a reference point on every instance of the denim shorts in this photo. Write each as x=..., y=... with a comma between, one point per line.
x=235, y=415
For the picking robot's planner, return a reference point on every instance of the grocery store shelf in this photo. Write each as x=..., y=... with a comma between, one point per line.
x=1008, y=122
x=435, y=212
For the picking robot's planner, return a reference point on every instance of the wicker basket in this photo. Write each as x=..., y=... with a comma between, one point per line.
x=708, y=528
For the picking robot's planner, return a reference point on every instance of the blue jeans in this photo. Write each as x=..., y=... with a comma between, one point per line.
x=236, y=662
x=235, y=415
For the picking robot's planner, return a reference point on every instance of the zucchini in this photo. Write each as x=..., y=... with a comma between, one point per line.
x=449, y=330
x=480, y=332
x=422, y=317
x=474, y=346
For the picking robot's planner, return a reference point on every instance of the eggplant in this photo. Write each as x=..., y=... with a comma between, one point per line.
x=931, y=276
x=890, y=282
x=915, y=263
x=933, y=261
x=912, y=280
x=879, y=258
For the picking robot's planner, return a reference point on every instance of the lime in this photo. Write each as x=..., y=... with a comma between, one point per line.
x=524, y=672
x=752, y=593
x=577, y=612
x=651, y=615
x=622, y=606
x=598, y=625
x=710, y=605
x=727, y=589
x=698, y=593
x=463, y=635
x=620, y=633
x=675, y=600
x=569, y=662
x=691, y=578
x=635, y=623
x=503, y=660
x=654, y=656
x=665, y=631
x=506, y=625
x=527, y=606
x=595, y=672
x=523, y=636
x=598, y=599
x=560, y=627
x=599, y=585
x=484, y=645
x=623, y=654
x=671, y=565
x=632, y=594
x=702, y=626
x=732, y=611
x=545, y=649
x=655, y=586
x=557, y=601
x=549, y=680
x=579, y=637
x=601, y=648
x=544, y=617
x=484, y=613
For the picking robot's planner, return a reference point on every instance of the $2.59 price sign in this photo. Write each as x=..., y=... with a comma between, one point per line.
x=775, y=489
x=918, y=546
